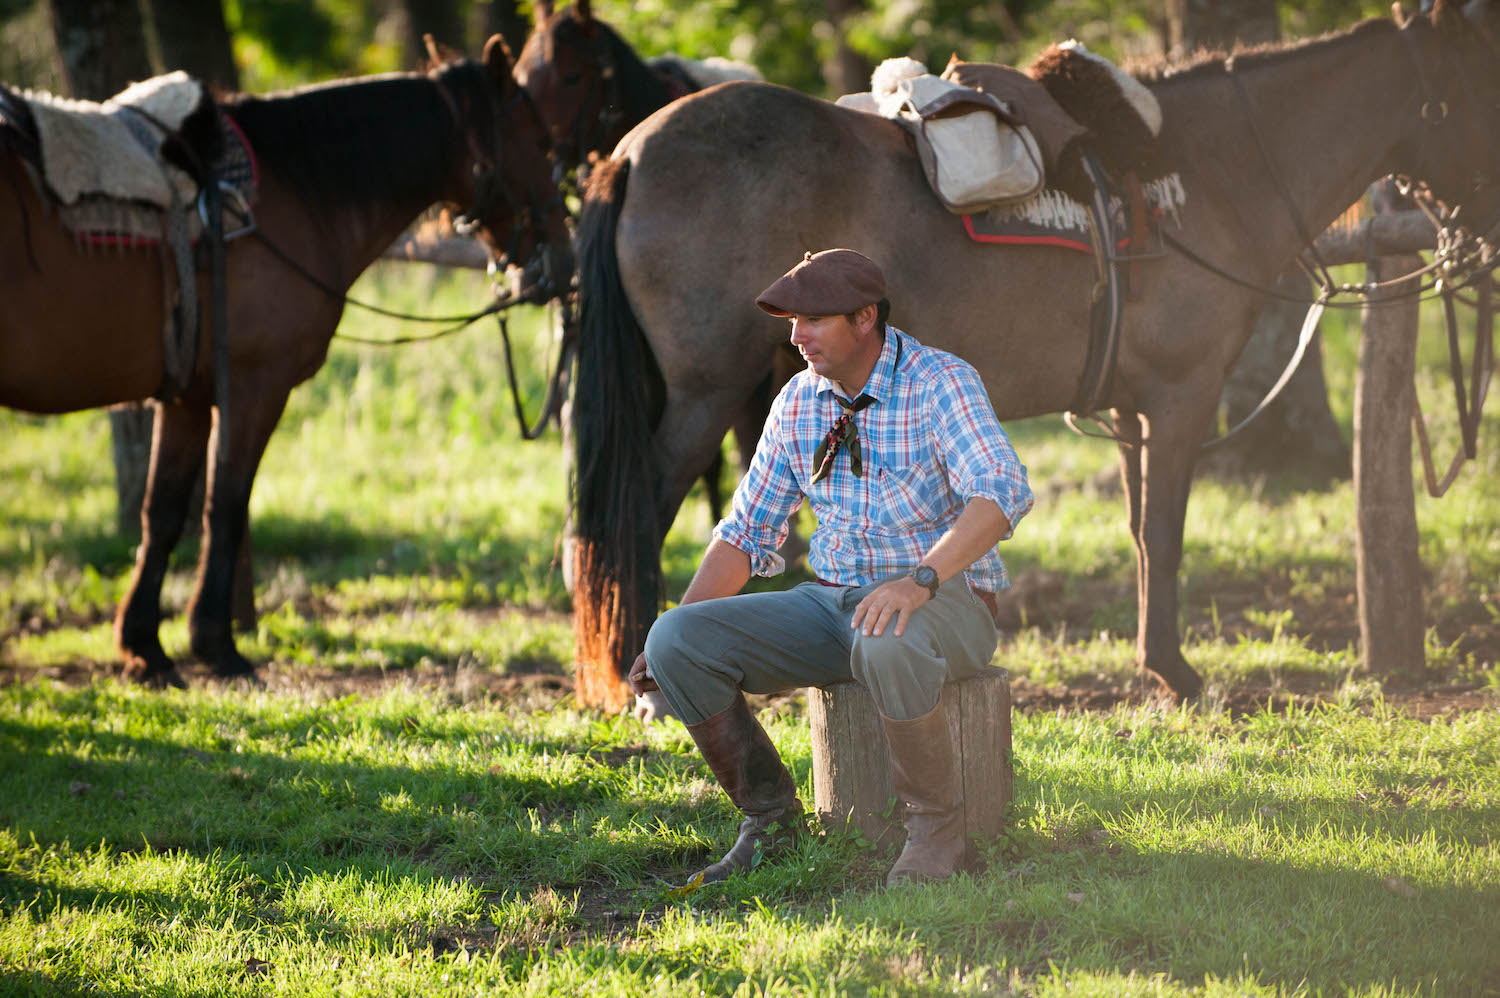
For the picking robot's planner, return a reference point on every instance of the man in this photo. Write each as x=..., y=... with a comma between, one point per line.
x=897, y=448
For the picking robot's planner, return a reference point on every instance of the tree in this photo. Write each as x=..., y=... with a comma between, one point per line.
x=192, y=36
x=1297, y=431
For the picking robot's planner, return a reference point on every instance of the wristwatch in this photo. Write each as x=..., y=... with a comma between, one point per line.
x=925, y=576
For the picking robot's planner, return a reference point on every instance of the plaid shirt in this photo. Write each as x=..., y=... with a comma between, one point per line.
x=931, y=443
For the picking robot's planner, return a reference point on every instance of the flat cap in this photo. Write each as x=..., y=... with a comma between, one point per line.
x=833, y=282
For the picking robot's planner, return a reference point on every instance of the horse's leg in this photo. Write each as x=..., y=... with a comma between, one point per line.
x=177, y=448
x=226, y=514
x=1170, y=439
x=1127, y=426
x=689, y=433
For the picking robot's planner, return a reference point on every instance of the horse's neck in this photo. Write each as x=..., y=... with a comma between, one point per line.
x=1330, y=116
x=360, y=159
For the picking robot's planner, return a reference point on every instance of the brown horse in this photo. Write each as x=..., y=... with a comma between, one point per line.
x=343, y=168
x=591, y=87
x=708, y=201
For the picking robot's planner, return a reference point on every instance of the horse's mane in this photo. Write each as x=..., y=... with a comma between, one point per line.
x=1210, y=61
x=353, y=141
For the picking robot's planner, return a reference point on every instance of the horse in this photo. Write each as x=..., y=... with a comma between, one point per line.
x=343, y=168
x=708, y=201
x=591, y=87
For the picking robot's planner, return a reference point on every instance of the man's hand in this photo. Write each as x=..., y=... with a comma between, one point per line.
x=896, y=600
x=639, y=681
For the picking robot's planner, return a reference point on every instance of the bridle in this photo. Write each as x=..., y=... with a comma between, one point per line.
x=490, y=187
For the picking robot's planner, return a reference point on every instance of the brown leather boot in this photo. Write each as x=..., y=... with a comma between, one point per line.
x=925, y=778
x=746, y=764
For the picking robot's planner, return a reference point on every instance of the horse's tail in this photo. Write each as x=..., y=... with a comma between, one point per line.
x=617, y=401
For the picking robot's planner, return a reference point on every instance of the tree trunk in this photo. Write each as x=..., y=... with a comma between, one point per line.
x=1297, y=432
x=102, y=44
x=192, y=36
x=847, y=71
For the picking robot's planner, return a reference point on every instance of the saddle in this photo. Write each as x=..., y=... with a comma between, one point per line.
x=134, y=171
x=1095, y=128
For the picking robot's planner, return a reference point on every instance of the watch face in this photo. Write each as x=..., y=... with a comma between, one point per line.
x=926, y=576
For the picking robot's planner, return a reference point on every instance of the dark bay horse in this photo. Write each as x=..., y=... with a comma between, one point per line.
x=343, y=168
x=708, y=201
x=591, y=87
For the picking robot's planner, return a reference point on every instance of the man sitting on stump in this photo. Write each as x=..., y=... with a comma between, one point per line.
x=913, y=482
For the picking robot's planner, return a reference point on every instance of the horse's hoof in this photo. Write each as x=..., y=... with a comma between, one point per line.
x=234, y=666
x=154, y=676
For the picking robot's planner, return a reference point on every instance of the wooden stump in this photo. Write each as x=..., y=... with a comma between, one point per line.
x=851, y=764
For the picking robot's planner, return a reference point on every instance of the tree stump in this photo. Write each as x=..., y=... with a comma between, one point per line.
x=851, y=764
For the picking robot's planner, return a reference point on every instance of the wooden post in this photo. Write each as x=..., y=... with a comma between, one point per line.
x=1387, y=564
x=851, y=764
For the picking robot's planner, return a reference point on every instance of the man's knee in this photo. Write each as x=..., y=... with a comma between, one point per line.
x=901, y=675
x=664, y=642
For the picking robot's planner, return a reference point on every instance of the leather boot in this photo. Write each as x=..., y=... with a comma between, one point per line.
x=747, y=766
x=925, y=777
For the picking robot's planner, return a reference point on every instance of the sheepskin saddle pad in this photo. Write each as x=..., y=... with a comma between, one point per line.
x=113, y=149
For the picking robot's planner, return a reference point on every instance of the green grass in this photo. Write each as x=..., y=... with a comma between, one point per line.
x=407, y=843
x=415, y=805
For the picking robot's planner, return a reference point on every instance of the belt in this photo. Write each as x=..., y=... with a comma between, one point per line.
x=985, y=596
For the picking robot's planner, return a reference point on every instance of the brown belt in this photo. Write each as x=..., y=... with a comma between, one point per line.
x=987, y=597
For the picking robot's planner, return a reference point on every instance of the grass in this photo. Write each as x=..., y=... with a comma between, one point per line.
x=412, y=843
x=415, y=805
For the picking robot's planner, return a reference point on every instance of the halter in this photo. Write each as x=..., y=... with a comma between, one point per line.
x=490, y=185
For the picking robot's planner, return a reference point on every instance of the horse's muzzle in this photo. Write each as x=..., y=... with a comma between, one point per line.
x=546, y=276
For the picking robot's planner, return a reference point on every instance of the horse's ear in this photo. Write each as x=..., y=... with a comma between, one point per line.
x=1398, y=15
x=1448, y=17
x=582, y=13
x=497, y=62
x=953, y=60
x=439, y=54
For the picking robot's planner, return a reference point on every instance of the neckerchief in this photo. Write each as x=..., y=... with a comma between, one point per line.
x=843, y=434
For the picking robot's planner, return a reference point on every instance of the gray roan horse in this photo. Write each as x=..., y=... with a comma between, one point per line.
x=344, y=167
x=708, y=201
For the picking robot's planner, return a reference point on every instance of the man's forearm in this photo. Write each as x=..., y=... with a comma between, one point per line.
x=974, y=534
x=723, y=572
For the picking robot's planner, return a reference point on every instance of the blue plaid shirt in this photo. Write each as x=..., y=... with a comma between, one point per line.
x=931, y=443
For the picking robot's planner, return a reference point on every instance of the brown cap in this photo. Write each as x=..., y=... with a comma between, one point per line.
x=833, y=282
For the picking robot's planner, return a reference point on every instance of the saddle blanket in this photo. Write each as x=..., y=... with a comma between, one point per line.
x=110, y=150
x=1052, y=218
x=103, y=221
